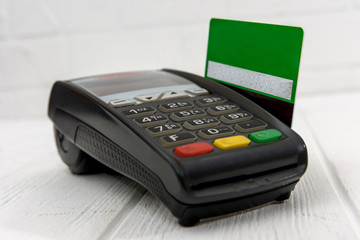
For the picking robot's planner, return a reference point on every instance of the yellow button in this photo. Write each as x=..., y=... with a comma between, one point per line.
x=231, y=142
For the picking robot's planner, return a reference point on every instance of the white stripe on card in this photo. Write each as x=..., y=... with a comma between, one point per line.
x=265, y=83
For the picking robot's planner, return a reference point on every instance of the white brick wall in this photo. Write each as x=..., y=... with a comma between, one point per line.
x=45, y=40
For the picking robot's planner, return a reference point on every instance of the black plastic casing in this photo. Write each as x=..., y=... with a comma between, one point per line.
x=192, y=188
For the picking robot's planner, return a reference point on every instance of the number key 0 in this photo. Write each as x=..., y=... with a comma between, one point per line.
x=216, y=132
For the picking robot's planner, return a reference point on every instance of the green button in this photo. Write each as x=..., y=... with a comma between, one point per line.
x=267, y=135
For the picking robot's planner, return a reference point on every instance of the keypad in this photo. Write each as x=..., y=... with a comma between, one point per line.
x=201, y=126
x=160, y=96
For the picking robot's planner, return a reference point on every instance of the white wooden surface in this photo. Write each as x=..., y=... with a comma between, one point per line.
x=40, y=199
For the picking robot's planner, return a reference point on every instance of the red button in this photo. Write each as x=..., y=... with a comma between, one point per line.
x=193, y=149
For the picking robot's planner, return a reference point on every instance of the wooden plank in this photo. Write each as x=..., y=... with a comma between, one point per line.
x=41, y=199
x=314, y=211
x=333, y=120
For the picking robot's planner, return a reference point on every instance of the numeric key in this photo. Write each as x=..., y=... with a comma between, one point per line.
x=209, y=101
x=236, y=117
x=151, y=120
x=222, y=109
x=139, y=112
x=164, y=129
x=187, y=114
x=251, y=126
x=216, y=132
x=201, y=123
x=175, y=106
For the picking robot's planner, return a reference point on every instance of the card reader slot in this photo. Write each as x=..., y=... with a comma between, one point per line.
x=248, y=178
x=224, y=165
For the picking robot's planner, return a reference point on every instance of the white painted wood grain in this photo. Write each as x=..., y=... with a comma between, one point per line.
x=334, y=121
x=314, y=211
x=40, y=199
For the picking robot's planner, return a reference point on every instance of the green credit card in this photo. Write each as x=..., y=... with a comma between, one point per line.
x=258, y=60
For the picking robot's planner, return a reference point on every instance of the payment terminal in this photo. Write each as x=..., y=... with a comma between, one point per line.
x=200, y=147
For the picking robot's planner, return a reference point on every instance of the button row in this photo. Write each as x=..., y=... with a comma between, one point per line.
x=182, y=105
x=227, y=143
x=194, y=118
x=189, y=113
x=195, y=124
x=210, y=133
x=155, y=97
x=204, y=102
